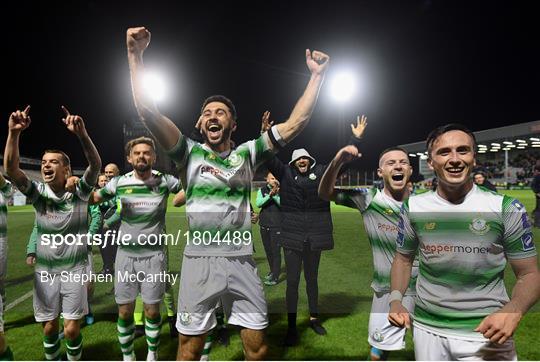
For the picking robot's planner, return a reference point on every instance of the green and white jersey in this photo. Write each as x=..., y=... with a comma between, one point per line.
x=380, y=213
x=60, y=215
x=143, y=204
x=463, y=251
x=218, y=192
x=5, y=192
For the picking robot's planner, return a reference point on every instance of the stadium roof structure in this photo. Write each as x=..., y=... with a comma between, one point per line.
x=515, y=137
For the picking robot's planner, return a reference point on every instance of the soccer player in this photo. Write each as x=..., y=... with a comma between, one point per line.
x=6, y=191
x=111, y=221
x=464, y=235
x=142, y=195
x=217, y=180
x=58, y=212
x=380, y=213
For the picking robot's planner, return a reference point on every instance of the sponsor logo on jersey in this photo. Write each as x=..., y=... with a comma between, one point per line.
x=400, y=238
x=456, y=249
x=518, y=205
x=527, y=241
x=387, y=228
x=388, y=211
x=525, y=221
x=479, y=226
x=129, y=191
x=430, y=225
x=312, y=176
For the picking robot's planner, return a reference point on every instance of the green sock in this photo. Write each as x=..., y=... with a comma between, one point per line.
x=52, y=347
x=152, y=329
x=126, y=331
x=7, y=355
x=207, y=346
x=74, y=348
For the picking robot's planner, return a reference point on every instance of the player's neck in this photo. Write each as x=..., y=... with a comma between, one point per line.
x=143, y=175
x=454, y=194
x=398, y=195
x=220, y=148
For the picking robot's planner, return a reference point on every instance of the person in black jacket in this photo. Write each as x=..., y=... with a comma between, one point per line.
x=480, y=179
x=306, y=230
x=268, y=200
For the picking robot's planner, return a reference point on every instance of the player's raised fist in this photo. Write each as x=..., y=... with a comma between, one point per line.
x=19, y=120
x=317, y=61
x=73, y=123
x=348, y=153
x=137, y=39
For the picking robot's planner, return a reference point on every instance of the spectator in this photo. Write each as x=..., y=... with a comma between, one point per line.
x=481, y=180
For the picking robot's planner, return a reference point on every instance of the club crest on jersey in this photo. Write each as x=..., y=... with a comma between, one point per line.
x=129, y=191
x=185, y=318
x=527, y=241
x=377, y=336
x=430, y=225
x=312, y=176
x=235, y=160
x=479, y=226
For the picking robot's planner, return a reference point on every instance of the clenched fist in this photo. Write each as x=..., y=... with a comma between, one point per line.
x=19, y=120
x=317, y=61
x=137, y=39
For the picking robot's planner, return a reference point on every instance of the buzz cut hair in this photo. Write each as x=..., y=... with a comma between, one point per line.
x=439, y=131
x=65, y=158
x=390, y=149
x=136, y=141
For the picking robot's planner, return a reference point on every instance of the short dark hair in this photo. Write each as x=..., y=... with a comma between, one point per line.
x=439, y=131
x=390, y=149
x=146, y=140
x=65, y=158
x=221, y=99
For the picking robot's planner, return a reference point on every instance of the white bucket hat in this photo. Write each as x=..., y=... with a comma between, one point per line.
x=299, y=153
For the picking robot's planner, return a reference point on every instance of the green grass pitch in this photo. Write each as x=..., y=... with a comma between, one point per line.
x=345, y=299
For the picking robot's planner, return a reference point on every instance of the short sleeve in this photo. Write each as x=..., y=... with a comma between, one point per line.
x=7, y=189
x=518, y=239
x=109, y=191
x=173, y=184
x=180, y=152
x=260, y=150
x=33, y=191
x=357, y=198
x=83, y=189
x=407, y=240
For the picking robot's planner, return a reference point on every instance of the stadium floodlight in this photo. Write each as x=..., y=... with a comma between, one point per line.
x=482, y=150
x=521, y=141
x=419, y=153
x=482, y=146
x=154, y=86
x=521, y=147
x=423, y=157
x=343, y=86
x=412, y=154
x=535, y=145
x=494, y=150
x=534, y=139
x=535, y=142
x=507, y=142
x=506, y=149
x=495, y=144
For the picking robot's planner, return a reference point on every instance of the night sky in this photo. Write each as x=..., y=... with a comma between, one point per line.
x=419, y=64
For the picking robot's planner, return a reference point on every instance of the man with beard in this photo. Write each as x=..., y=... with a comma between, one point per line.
x=380, y=213
x=142, y=195
x=464, y=235
x=111, y=221
x=58, y=212
x=217, y=181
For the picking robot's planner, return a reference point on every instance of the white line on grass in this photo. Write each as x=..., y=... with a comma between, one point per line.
x=19, y=300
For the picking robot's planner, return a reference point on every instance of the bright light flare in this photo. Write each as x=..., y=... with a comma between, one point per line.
x=155, y=87
x=343, y=86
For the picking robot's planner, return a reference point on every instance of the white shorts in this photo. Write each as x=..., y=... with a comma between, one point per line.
x=90, y=264
x=52, y=296
x=429, y=346
x=205, y=281
x=381, y=334
x=147, y=269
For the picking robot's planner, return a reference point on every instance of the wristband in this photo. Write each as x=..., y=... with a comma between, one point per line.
x=395, y=295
